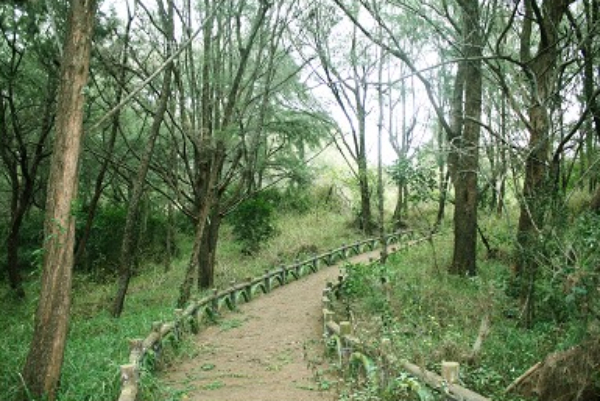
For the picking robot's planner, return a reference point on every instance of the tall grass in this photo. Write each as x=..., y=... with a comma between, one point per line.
x=431, y=316
x=298, y=236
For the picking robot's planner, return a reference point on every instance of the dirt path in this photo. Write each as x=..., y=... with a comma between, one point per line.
x=269, y=350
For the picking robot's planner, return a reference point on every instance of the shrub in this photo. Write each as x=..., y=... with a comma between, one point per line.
x=253, y=222
x=103, y=248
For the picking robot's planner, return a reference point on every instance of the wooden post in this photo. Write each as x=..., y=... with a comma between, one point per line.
x=248, y=288
x=233, y=294
x=129, y=382
x=326, y=300
x=135, y=350
x=156, y=326
x=345, y=332
x=195, y=320
x=450, y=372
x=327, y=317
x=177, y=323
x=214, y=304
x=283, y=275
x=267, y=282
x=387, y=359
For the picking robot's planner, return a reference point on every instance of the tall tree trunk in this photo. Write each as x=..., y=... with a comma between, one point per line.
x=208, y=251
x=380, y=189
x=366, y=220
x=42, y=368
x=185, y=289
x=466, y=145
x=138, y=190
x=211, y=152
x=535, y=186
x=503, y=162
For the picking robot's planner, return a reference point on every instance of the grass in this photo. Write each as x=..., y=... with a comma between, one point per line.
x=431, y=316
x=298, y=237
x=97, y=343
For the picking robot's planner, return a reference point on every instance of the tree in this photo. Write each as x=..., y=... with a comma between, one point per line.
x=540, y=70
x=139, y=183
x=42, y=368
x=463, y=133
x=348, y=81
x=27, y=102
x=252, y=129
x=464, y=143
x=210, y=152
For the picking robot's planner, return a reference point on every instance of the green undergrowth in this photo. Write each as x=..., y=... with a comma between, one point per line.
x=98, y=343
x=299, y=237
x=431, y=316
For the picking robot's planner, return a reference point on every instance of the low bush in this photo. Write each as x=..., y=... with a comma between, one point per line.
x=253, y=222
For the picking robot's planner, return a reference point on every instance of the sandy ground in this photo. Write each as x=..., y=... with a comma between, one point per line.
x=270, y=350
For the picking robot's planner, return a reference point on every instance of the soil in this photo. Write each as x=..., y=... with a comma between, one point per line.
x=271, y=349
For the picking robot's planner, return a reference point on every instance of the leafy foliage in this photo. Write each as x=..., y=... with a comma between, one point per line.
x=253, y=221
x=568, y=283
x=103, y=246
x=419, y=177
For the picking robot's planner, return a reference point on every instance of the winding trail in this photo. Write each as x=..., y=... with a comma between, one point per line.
x=270, y=350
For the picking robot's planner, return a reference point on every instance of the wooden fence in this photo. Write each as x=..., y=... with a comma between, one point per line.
x=380, y=364
x=146, y=352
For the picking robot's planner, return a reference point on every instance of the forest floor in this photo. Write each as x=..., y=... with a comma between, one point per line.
x=271, y=349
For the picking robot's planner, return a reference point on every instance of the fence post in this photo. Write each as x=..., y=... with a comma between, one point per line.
x=214, y=303
x=177, y=323
x=345, y=332
x=283, y=274
x=233, y=294
x=248, y=288
x=129, y=382
x=267, y=281
x=326, y=300
x=450, y=372
x=315, y=263
x=135, y=350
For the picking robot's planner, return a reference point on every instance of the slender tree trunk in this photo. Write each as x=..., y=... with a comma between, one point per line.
x=43, y=365
x=380, y=189
x=444, y=182
x=185, y=290
x=12, y=252
x=503, y=161
x=99, y=185
x=136, y=196
x=399, y=208
x=366, y=220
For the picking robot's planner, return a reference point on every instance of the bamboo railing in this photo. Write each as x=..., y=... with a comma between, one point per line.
x=380, y=364
x=146, y=352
